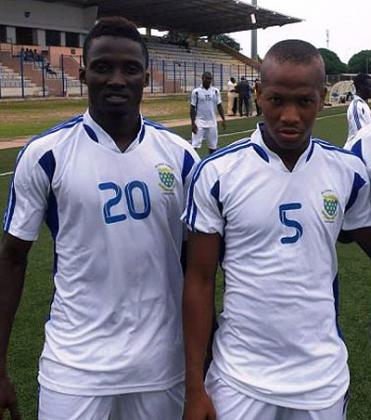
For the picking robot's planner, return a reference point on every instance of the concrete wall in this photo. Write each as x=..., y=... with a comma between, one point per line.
x=44, y=15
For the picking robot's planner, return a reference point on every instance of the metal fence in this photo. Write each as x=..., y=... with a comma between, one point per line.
x=22, y=76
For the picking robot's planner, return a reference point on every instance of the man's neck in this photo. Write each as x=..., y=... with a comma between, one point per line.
x=122, y=128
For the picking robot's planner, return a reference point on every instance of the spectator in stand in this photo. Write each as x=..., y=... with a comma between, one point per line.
x=255, y=91
x=244, y=93
x=49, y=70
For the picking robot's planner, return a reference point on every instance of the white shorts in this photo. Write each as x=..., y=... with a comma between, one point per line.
x=155, y=405
x=233, y=405
x=208, y=133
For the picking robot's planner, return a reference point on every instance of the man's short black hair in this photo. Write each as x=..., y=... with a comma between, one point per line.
x=294, y=51
x=116, y=26
x=361, y=80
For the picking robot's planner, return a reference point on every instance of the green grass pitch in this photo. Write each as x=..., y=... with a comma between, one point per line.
x=23, y=118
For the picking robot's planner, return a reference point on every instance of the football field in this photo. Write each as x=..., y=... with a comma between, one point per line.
x=20, y=119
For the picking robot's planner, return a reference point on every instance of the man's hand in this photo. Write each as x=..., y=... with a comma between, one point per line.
x=224, y=125
x=194, y=128
x=8, y=399
x=199, y=407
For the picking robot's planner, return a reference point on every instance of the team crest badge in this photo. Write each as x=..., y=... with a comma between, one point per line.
x=167, y=177
x=330, y=206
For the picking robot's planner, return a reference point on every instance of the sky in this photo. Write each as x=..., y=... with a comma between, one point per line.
x=348, y=23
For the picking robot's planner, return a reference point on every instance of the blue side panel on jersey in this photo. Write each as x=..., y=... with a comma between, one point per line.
x=91, y=133
x=335, y=289
x=188, y=163
x=358, y=183
x=357, y=149
x=9, y=212
x=47, y=162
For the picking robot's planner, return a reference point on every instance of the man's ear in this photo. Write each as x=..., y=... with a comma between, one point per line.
x=146, y=82
x=82, y=75
x=323, y=97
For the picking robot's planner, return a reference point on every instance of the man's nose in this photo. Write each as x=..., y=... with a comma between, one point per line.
x=117, y=78
x=290, y=114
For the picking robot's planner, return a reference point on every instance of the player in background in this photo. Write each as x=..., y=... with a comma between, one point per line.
x=111, y=187
x=359, y=113
x=268, y=206
x=360, y=144
x=205, y=100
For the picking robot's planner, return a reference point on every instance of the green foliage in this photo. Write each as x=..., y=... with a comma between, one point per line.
x=333, y=64
x=360, y=62
x=228, y=41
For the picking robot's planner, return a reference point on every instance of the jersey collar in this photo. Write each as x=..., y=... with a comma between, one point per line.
x=99, y=135
x=273, y=158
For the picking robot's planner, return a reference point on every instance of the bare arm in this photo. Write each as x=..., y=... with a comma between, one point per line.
x=193, y=113
x=221, y=113
x=198, y=310
x=361, y=236
x=13, y=262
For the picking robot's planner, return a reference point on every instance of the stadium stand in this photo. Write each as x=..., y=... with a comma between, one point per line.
x=174, y=68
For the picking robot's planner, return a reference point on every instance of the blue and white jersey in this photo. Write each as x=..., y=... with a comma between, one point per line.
x=358, y=114
x=115, y=322
x=360, y=144
x=278, y=340
x=206, y=101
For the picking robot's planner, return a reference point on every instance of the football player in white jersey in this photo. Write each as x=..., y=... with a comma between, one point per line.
x=205, y=100
x=360, y=144
x=111, y=186
x=358, y=113
x=273, y=206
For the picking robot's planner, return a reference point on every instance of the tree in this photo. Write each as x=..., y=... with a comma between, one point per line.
x=227, y=40
x=360, y=62
x=333, y=64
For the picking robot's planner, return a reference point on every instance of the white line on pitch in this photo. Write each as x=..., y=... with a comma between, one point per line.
x=7, y=173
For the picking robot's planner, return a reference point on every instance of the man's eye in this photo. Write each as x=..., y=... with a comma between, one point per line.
x=275, y=100
x=101, y=68
x=133, y=69
x=306, y=101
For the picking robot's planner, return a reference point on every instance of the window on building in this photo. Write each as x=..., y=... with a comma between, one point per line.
x=53, y=38
x=72, y=39
x=24, y=36
x=3, y=33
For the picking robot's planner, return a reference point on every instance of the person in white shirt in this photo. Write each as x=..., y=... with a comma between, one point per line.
x=205, y=100
x=360, y=145
x=232, y=96
x=358, y=113
x=271, y=207
x=111, y=186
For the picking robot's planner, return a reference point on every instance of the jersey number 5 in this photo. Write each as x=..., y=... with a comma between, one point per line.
x=283, y=209
x=135, y=191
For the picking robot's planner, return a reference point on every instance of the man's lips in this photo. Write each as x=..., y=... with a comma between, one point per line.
x=116, y=97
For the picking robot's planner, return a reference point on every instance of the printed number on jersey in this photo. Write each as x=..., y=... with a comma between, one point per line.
x=136, y=196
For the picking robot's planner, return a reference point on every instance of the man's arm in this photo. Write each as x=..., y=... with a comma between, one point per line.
x=198, y=310
x=193, y=113
x=361, y=236
x=13, y=262
x=221, y=113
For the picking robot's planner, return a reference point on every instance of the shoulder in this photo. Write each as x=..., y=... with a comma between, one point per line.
x=48, y=140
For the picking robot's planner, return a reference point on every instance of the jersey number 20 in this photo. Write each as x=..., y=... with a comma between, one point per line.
x=138, y=188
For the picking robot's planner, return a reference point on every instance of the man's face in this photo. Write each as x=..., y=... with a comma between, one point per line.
x=290, y=97
x=206, y=80
x=115, y=75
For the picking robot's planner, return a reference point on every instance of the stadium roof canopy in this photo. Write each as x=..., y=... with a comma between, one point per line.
x=201, y=17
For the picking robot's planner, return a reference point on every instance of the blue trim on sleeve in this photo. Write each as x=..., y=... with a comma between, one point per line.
x=47, y=162
x=215, y=192
x=9, y=212
x=356, y=116
x=358, y=183
x=191, y=207
x=357, y=149
x=328, y=146
x=188, y=163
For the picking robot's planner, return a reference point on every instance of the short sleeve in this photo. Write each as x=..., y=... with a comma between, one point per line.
x=358, y=209
x=194, y=97
x=203, y=212
x=218, y=97
x=27, y=201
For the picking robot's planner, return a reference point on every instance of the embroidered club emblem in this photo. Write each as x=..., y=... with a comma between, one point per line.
x=330, y=206
x=167, y=177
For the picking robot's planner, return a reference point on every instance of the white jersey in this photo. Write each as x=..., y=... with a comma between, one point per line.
x=206, y=101
x=278, y=339
x=360, y=144
x=358, y=114
x=115, y=322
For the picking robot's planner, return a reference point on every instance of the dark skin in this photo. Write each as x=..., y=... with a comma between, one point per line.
x=290, y=96
x=364, y=91
x=206, y=83
x=115, y=75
